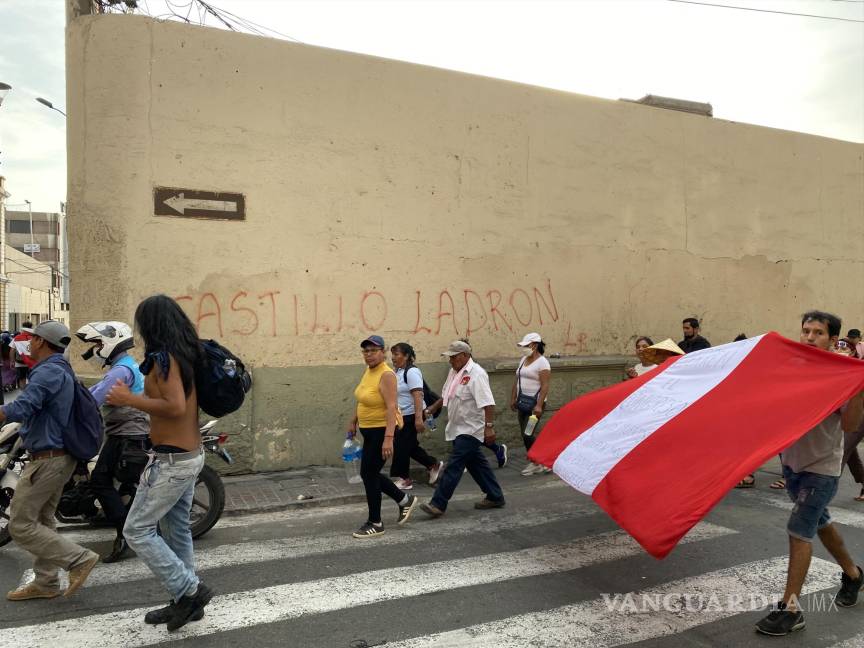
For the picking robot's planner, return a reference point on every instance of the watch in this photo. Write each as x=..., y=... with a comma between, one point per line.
x=490, y=425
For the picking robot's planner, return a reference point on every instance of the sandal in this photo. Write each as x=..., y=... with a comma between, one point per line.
x=860, y=497
x=779, y=484
x=748, y=482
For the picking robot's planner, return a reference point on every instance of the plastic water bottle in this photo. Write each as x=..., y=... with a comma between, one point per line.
x=351, y=454
x=430, y=423
x=530, y=425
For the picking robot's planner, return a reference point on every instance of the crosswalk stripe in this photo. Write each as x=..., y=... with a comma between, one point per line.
x=592, y=624
x=852, y=642
x=838, y=515
x=297, y=547
x=75, y=533
x=125, y=629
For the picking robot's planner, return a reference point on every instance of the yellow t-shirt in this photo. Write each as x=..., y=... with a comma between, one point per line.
x=371, y=410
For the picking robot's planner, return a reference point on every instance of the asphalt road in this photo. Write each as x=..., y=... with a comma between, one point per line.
x=550, y=569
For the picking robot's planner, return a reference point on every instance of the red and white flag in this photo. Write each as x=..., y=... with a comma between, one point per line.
x=659, y=451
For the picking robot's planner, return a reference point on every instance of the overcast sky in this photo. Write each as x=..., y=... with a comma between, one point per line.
x=790, y=72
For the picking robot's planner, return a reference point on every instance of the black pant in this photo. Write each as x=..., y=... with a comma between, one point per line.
x=466, y=453
x=123, y=459
x=370, y=470
x=406, y=447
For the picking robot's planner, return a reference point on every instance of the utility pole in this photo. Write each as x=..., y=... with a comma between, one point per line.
x=32, y=245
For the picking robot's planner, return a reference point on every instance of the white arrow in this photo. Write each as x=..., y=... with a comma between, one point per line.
x=180, y=203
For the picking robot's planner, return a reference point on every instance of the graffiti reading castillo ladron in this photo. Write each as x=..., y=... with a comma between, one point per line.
x=448, y=312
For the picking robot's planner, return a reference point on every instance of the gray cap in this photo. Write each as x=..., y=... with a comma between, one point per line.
x=52, y=331
x=457, y=347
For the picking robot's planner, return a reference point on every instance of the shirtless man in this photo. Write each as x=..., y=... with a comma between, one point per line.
x=167, y=485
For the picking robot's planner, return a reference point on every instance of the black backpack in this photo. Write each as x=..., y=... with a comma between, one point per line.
x=82, y=438
x=221, y=380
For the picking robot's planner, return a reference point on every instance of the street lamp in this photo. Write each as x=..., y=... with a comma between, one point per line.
x=32, y=247
x=45, y=102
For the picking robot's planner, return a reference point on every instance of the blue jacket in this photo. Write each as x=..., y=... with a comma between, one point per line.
x=45, y=406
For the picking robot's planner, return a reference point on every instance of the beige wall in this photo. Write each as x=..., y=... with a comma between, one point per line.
x=424, y=204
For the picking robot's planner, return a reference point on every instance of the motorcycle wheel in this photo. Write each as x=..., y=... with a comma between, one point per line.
x=208, y=502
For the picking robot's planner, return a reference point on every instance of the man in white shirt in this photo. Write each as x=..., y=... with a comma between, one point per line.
x=470, y=421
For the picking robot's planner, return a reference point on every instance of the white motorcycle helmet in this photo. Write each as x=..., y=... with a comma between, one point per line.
x=107, y=340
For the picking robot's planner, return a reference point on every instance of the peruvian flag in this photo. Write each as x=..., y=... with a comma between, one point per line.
x=659, y=451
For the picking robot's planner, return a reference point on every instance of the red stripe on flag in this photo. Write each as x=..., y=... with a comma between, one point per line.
x=670, y=481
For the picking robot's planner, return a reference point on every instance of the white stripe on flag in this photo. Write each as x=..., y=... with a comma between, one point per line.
x=588, y=459
x=244, y=553
x=125, y=629
x=597, y=624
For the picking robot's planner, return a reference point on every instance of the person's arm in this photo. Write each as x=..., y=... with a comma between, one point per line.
x=31, y=400
x=387, y=387
x=489, y=429
x=419, y=422
x=544, y=376
x=434, y=407
x=170, y=401
x=352, y=425
x=100, y=390
x=850, y=419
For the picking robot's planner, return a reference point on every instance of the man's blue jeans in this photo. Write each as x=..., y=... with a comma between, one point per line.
x=467, y=453
x=164, y=497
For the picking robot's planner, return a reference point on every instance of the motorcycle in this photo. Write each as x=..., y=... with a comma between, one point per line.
x=79, y=505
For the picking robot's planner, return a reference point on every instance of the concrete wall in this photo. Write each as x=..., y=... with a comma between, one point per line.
x=424, y=205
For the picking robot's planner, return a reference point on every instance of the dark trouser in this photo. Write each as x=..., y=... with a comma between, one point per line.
x=406, y=447
x=370, y=470
x=467, y=453
x=123, y=459
x=523, y=421
x=851, y=457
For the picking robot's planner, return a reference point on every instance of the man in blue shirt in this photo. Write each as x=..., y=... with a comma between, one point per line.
x=45, y=410
x=124, y=454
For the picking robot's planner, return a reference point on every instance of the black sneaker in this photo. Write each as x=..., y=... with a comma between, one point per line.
x=781, y=621
x=405, y=511
x=370, y=530
x=164, y=614
x=849, y=588
x=188, y=606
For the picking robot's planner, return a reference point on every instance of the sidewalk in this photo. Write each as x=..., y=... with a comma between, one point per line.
x=327, y=486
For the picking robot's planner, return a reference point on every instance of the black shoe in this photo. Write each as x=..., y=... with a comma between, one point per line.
x=163, y=615
x=849, y=588
x=370, y=530
x=188, y=606
x=781, y=621
x=405, y=511
x=119, y=551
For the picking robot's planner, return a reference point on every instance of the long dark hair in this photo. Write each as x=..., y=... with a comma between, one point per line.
x=164, y=327
x=408, y=351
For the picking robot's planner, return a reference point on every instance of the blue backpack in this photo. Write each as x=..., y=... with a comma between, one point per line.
x=82, y=438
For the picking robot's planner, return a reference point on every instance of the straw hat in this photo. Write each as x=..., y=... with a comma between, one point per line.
x=657, y=353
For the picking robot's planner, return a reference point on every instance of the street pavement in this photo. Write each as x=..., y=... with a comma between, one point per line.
x=549, y=570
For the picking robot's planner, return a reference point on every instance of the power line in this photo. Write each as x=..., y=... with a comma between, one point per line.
x=784, y=13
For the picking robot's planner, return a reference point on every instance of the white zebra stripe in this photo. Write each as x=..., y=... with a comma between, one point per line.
x=125, y=629
x=592, y=624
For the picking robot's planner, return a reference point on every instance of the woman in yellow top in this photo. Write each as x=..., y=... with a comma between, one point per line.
x=376, y=417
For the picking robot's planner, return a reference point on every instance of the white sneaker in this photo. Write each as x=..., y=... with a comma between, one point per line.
x=435, y=472
x=403, y=484
x=530, y=469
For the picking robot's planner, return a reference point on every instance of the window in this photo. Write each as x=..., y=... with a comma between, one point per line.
x=18, y=227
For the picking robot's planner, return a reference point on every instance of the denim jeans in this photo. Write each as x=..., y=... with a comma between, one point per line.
x=164, y=497
x=467, y=453
x=811, y=494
